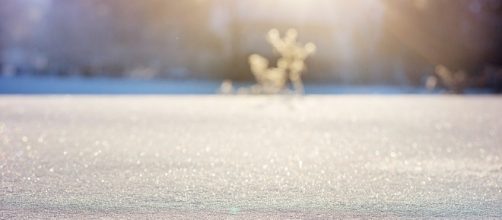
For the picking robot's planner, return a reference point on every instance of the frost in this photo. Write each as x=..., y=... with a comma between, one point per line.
x=455, y=82
x=250, y=157
x=270, y=80
x=289, y=68
x=293, y=55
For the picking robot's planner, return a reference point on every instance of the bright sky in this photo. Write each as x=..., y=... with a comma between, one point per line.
x=317, y=11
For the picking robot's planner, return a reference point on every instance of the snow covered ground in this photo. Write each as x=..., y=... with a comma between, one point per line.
x=99, y=86
x=248, y=157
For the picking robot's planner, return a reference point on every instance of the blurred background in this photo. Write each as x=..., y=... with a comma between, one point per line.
x=365, y=43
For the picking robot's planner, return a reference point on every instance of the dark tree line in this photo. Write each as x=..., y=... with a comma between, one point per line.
x=107, y=36
x=178, y=39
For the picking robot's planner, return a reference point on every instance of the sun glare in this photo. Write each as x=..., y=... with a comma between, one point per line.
x=305, y=11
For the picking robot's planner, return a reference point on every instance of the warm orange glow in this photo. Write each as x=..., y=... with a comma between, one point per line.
x=313, y=11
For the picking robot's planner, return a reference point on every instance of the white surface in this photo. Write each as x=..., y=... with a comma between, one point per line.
x=250, y=157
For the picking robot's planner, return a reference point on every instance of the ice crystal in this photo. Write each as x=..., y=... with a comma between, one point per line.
x=290, y=65
x=453, y=81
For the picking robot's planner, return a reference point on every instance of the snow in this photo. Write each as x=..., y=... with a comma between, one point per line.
x=29, y=84
x=249, y=157
x=98, y=86
x=102, y=85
